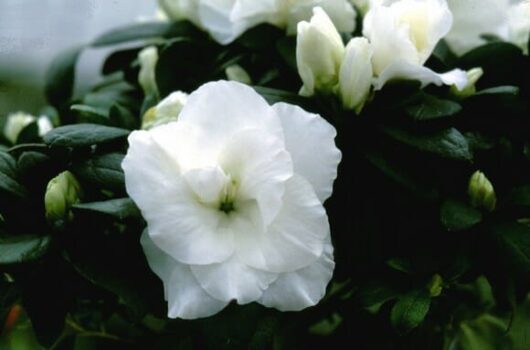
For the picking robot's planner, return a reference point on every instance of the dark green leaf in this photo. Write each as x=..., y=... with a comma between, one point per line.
x=21, y=249
x=80, y=135
x=8, y=175
x=89, y=110
x=457, y=216
x=274, y=95
x=123, y=118
x=520, y=196
x=121, y=208
x=29, y=134
x=286, y=47
x=60, y=77
x=144, y=31
x=431, y=107
x=514, y=239
x=103, y=171
x=448, y=143
x=499, y=90
x=410, y=310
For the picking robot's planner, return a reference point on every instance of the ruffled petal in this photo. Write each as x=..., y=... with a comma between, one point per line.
x=297, y=290
x=260, y=165
x=406, y=71
x=294, y=239
x=223, y=108
x=233, y=280
x=178, y=223
x=311, y=142
x=186, y=299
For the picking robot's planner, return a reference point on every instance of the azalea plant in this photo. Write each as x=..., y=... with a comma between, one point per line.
x=278, y=175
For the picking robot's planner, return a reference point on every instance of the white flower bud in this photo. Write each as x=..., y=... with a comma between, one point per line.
x=319, y=53
x=355, y=78
x=237, y=73
x=165, y=111
x=481, y=192
x=62, y=192
x=16, y=122
x=148, y=58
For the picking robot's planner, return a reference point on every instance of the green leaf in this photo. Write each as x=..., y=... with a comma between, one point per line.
x=499, y=90
x=286, y=47
x=80, y=135
x=8, y=175
x=431, y=107
x=514, y=239
x=458, y=216
x=103, y=171
x=89, y=110
x=520, y=196
x=410, y=310
x=144, y=31
x=448, y=143
x=121, y=208
x=21, y=249
x=29, y=134
x=123, y=117
x=60, y=77
x=274, y=95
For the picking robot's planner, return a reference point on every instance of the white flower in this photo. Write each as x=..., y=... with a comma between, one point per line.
x=148, y=58
x=319, y=53
x=226, y=20
x=519, y=23
x=505, y=19
x=355, y=78
x=232, y=195
x=403, y=35
x=16, y=122
x=165, y=111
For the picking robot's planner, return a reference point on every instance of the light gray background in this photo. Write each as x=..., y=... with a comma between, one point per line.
x=32, y=32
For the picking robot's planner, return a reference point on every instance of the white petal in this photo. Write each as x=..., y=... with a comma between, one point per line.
x=389, y=40
x=473, y=18
x=294, y=291
x=294, y=239
x=215, y=17
x=233, y=280
x=207, y=183
x=177, y=222
x=407, y=71
x=260, y=165
x=311, y=142
x=186, y=299
x=222, y=109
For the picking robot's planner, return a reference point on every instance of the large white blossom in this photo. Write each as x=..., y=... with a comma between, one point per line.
x=226, y=20
x=403, y=35
x=232, y=195
x=473, y=19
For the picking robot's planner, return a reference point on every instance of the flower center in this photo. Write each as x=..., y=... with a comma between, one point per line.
x=228, y=196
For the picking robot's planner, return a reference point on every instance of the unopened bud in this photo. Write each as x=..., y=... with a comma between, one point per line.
x=166, y=111
x=481, y=192
x=62, y=192
x=435, y=286
x=237, y=73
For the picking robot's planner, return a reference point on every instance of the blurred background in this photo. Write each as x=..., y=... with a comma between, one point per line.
x=32, y=32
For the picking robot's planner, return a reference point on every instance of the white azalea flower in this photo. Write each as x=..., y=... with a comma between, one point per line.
x=318, y=69
x=16, y=122
x=505, y=19
x=232, y=194
x=403, y=35
x=226, y=20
